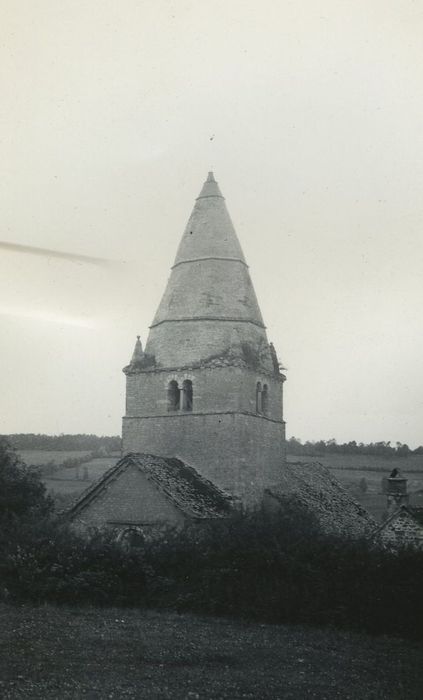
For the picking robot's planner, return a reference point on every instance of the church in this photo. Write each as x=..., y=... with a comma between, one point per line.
x=208, y=387
x=203, y=432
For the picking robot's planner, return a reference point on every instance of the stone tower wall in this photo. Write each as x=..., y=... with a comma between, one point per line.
x=242, y=454
x=215, y=390
x=208, y=328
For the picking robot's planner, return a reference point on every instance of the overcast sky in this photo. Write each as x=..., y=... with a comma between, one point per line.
x=310, y=113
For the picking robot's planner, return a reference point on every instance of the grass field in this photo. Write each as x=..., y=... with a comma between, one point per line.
x=38, y=457
x=49, y=653
x=384, y=465
x=68, y=482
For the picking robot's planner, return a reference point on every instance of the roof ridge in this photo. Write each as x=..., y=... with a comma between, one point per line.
x=100, y=481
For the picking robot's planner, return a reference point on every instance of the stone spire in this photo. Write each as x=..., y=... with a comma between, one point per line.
x=209, y=292
x=209, y=232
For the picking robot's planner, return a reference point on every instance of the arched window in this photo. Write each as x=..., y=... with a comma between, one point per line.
x=265, y=399
x=173, y=396
x=258, y=397
x=187, y=395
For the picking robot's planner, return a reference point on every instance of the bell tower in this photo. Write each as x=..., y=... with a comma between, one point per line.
x=208, y=386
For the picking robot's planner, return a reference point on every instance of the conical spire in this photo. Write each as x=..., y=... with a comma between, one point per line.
x=209, y=232
x=209, y=293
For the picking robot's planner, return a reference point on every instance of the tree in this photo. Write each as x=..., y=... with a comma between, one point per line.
x=402, y=450
x=22, y=493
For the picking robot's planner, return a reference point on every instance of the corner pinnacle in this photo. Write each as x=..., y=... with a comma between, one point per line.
x=138, y=353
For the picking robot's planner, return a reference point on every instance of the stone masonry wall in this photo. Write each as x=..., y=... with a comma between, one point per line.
x=217, y=389
x=130, y=498
x=241, y=454
x=402, y=530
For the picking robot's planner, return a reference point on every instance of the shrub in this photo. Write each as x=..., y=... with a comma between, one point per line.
x=274, y=568
x=41, y=559
x=22, y=493
x=281, y=569
x=50, y=563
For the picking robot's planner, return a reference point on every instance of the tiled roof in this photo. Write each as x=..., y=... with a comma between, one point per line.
x=313, y=486
x=195, y=496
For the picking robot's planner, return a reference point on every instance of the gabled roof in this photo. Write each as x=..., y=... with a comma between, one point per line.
x=189, y=492
x=314, y=487
x=403, y=512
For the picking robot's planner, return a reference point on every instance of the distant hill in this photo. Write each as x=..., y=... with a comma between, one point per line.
x=92, y=443
x=107, y=443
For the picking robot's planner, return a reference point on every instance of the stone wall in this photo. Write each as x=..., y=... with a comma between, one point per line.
x=401, y=529
x=241, y=454
x=215, y=390
x=129, y=499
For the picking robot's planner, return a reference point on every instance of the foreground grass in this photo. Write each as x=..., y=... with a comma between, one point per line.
x=49, y=652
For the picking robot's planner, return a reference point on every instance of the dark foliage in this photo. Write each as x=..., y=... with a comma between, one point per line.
x=41, y=559
x=22, y=494
x=46, y=562
x=280, y=569
x=275, y=570
x=323, y=447
x=270, y=567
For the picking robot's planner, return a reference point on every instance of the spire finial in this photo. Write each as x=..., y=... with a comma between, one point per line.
x=210, y=187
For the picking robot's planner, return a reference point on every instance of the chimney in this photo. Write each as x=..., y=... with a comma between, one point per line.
x=396, y=491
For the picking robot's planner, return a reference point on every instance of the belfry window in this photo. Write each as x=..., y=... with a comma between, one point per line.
x=258, y=397
x=187, y=395
x=173, y=396
x=265, y=399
